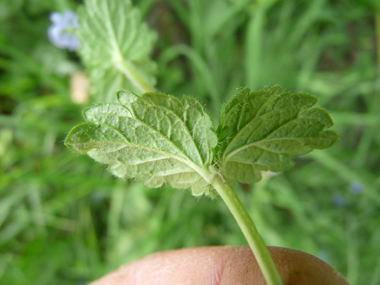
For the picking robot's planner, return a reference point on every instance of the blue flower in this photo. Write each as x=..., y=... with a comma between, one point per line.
x=59, y=31
x=338, y=200
x=356, y=188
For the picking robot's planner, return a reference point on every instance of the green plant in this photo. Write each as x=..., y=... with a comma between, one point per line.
x=65, y=220
x=160, y=139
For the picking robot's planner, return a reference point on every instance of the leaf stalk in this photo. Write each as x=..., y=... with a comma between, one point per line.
x=248, y=228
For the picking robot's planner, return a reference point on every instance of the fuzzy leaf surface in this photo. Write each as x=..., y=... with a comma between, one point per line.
x=262, y=130
x=155, y=138
x=115, y=45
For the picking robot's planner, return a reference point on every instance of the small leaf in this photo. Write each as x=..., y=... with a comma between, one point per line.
x=115, y=45
x=268, y=127
x=155, y=138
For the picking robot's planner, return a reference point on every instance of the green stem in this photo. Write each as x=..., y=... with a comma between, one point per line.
x=132, y=74
x=248, y=228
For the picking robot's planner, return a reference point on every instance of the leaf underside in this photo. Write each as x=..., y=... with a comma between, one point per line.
x=112, y=33
x=262, y=130
x=160, y=139
x=155, y=138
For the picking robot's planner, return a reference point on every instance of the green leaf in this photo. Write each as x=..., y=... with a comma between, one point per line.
x=266, y=128
x=155, y=138
x=115, y=46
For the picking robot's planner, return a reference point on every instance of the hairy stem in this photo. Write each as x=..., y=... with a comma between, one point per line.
x=248, y=228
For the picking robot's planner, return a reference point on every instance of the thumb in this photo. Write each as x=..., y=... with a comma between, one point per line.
x=222, y=265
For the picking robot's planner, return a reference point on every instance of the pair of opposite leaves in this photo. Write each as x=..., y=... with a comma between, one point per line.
x=160, y=139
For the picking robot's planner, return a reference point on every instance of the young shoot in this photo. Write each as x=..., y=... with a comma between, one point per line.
x=160, y=139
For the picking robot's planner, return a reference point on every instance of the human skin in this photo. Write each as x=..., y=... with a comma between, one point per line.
x=222, y=265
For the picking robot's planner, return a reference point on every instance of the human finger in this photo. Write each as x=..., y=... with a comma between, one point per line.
x=222, y=265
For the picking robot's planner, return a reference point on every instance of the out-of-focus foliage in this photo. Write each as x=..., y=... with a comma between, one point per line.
x=115, y=47
x=65, y=220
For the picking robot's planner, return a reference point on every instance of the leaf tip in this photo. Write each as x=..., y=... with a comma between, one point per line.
x=74, y=138
x=125, y=97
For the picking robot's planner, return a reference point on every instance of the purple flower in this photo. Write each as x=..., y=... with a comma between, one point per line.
x=59, y=31
x=338, y=200
x=356, y=188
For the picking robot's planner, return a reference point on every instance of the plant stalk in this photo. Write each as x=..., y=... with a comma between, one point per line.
x=248, y=228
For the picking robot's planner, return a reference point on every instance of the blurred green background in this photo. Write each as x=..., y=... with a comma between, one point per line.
x=65, y=220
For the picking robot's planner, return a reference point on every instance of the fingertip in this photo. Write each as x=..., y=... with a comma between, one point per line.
x=222, y=265
x=298, y=267
x=201, y=265
x=295, y=267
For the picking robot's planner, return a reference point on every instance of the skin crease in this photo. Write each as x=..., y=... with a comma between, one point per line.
x=222, y=265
